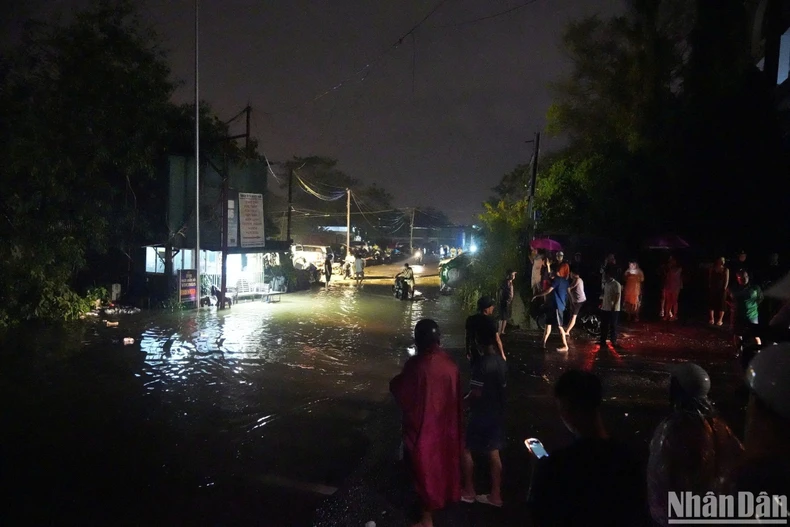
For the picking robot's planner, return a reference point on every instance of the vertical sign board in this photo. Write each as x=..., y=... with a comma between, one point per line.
x=187, y=285
x=251, y=220
x=233, y=225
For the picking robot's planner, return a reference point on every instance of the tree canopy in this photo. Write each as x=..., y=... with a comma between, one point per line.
x=88, y=117
x=666, y=115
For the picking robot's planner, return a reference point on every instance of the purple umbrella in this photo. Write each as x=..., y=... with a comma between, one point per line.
x=667, y=242
x=546, y=243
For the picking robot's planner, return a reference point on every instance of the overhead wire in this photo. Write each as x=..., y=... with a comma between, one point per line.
x=314, y=193
x=367, y=66
x=489, y=17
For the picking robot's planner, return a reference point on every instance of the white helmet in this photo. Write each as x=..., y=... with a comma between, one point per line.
x=768, y=376
x=693, y=380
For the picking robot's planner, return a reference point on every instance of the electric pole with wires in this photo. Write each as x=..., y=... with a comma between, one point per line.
x=411, y=233
x=348, y=224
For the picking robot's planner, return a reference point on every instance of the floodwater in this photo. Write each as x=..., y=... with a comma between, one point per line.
x=248, y=416
x=264, y=413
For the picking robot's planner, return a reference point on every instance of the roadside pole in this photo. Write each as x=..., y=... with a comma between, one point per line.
x=225, y=230
x=290, y=203
x=529, y=222
x=411, y=234
x=348, y=224
x=197, y=163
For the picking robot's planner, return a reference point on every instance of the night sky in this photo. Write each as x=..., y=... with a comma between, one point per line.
x=442, y=137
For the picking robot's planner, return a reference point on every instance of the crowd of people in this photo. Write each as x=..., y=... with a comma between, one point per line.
x=731, y=287
x=596, y=480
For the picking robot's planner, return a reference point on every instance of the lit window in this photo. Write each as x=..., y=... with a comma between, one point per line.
x=154, y=260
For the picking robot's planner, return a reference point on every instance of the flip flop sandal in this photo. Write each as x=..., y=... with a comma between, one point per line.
x=468, y=499
x=483, y=498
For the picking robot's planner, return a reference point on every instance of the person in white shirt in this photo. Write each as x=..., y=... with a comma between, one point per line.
x=578, y=298
x=359, y=269
x=610, y=306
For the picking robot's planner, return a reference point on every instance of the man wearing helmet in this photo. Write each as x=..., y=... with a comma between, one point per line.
x=692, y=449
x=429, y=394
x=766, y=466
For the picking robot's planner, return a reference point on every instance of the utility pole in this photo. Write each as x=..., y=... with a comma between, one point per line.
x=224, y=196
x=348, y=223
x=530, y=219
x=225, y=230
x=411, y=233
x=197, y=163
x=290, y=202
x=248, y=109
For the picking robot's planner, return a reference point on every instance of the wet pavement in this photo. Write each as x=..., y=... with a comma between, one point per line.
x=279, y=414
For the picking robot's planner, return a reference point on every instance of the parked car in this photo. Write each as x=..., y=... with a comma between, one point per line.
x=304, y=255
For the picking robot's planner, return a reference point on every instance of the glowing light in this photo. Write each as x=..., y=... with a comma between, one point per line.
x=473, y=248
x=417, y=254
x=412, y=350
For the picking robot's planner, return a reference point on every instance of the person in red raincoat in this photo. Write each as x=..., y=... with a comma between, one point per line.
x=429, y=393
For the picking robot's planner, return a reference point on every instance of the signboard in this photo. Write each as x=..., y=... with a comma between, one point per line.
x=233, y=226
x=251, y=220
x=187, y=285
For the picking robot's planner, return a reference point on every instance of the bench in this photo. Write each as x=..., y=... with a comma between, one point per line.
x=244, y=290
x=271, y=296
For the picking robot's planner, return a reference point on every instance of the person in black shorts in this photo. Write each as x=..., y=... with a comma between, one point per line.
x=481, y=331
x=557, y=295
x=486, y=430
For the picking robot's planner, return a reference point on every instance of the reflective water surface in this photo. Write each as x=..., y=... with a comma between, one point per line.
x=208, y=418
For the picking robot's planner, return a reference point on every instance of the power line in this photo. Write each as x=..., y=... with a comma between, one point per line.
x=365, y=69
x=489, y=17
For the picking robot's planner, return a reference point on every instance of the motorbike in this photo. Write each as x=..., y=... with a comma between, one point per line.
x=345, y=270
x=587, y=319
x=401, y=288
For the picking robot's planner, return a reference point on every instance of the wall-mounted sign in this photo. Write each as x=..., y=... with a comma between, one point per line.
x=251, y=220
x=187, y=285
x=233, y=225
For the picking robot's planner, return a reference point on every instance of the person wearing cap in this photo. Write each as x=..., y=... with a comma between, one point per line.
x=430, y=396
x=506, y=294
x=485, y=433
x=481, y=331
x=766, y=460
x=693, y=449
x=559, y=259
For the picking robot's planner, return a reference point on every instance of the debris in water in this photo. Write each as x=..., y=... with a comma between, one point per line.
x=110, y=324
x=128, y=340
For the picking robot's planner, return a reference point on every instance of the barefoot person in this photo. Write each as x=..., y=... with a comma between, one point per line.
x=557, y=295
x=486, y=431
x=429, y=394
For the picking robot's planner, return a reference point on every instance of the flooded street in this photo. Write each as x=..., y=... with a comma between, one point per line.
x=265, y=413
x=208, y=417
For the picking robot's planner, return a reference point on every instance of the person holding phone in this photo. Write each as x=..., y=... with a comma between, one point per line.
x=593, y=481
x=485, y=433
